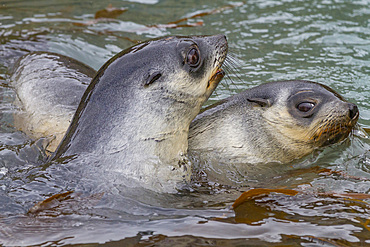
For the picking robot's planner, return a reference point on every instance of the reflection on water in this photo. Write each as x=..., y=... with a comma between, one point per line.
x=324, y=41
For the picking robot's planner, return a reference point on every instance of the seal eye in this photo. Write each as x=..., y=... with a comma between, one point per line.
x=193, y=57
x=305, y=106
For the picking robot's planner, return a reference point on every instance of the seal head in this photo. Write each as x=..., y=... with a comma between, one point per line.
x=134, y=116
x=274, y=122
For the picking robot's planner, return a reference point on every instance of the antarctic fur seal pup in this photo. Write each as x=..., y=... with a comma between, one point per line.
x=273, y=122
x=135, y=114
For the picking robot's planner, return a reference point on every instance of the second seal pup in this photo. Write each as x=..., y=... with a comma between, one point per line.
x=273, y=122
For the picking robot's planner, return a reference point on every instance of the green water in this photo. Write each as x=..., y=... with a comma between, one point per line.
x=324, y=41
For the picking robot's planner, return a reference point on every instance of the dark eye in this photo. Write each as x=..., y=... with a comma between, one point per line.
x=305, y=106
x=193, y=57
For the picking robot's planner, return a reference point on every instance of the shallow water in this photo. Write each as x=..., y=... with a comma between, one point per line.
x=324, y=41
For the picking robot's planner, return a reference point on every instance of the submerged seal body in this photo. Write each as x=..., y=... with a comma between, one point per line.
x=135, y=114
x=49, y=87
x=273, y=122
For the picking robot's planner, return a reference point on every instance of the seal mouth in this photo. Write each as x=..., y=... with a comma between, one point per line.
x=334, y=132
x=216, y=77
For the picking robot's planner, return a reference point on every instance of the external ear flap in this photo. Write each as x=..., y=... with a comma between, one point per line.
x=260, y=101
x=152, y=77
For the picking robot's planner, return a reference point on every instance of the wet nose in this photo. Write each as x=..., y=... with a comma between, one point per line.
x=353, y=110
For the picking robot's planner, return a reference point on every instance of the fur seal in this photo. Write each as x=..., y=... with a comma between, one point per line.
x=273, y=122
x=135, y=114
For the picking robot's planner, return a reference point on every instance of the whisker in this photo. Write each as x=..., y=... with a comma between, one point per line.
x=234, y=62
x=215, y=94
x=232, y=66
x=229, y=74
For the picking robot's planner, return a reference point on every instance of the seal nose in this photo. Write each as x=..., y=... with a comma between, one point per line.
x=353, y=110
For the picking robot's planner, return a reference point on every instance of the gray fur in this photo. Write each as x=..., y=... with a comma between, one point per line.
x=49, y=88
